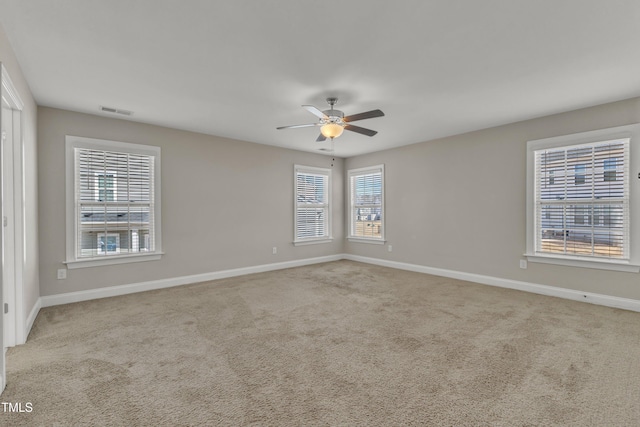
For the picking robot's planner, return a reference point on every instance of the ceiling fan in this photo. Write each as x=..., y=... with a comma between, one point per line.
x=333, y=122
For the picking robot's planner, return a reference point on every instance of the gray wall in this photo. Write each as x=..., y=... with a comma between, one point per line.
x=225, y=203
x=31, y=290
x=458, y=203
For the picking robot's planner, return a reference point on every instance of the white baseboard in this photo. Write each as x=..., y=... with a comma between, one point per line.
x=32, y=318
x=599, y=299
x=70, y=297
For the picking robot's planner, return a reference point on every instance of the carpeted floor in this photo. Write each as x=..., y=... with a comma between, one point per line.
x=337, y=344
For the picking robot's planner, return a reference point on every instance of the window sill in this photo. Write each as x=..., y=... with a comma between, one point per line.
x=570, y=261
x=312, y=241
x=365, y=240
x=112, y=260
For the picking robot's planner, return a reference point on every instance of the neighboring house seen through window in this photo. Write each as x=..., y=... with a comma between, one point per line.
x=579, y=177
x=610, y=166
x=105, y=188
x=581, y=200
x=572, y=203
x=366, y=204
x=112, y=202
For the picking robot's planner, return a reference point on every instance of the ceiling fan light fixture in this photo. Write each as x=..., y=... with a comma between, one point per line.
x=333, y=122
x=331, y=130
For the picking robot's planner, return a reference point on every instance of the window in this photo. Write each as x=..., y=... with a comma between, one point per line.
x=366, y=200
x=610, y=166
x=312, y=205
x=579, y=203
x=113, y=202
x=570, y=232
x=108, y=243
x=105, y=188
x=579, y=177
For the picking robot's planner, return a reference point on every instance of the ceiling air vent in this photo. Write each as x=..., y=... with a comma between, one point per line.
x=115, y=111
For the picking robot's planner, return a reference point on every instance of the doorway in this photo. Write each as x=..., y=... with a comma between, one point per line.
x=11, y=221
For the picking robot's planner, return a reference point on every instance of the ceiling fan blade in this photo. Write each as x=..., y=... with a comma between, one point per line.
x=361, y=116
x=313, y=110
x=299, y=126
x=358, y=129
x=321, y=138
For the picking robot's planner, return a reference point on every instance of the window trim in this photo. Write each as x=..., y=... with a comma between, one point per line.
x=363, y=239
x=632, y=132
x=72, y=142
x=311, y=170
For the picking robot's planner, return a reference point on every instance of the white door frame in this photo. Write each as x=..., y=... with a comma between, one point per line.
x=13, y=234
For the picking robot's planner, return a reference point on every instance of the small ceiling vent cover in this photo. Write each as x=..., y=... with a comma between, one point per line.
x=115, y=111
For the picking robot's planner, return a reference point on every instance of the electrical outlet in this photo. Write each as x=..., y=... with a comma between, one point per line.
x=62, y=273
x=390, y=248
x=523, y=263
x=275, y=250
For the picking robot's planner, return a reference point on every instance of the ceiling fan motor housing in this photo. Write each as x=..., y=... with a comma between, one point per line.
x=335, y=116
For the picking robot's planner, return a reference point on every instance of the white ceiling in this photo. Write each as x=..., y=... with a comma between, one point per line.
x=241, y=68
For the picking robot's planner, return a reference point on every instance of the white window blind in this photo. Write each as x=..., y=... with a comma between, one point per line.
x=582, y=200
x=366, y=196
x=114, y=200
x=312, y=204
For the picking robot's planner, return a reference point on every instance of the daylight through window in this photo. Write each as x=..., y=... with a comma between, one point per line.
x=582, y=200
x=114, y=199
x=366, y=196
x=312, y=204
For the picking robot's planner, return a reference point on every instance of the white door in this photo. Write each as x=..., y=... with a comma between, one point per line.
x=3, y=376
x=11, y=220
x=8, y=229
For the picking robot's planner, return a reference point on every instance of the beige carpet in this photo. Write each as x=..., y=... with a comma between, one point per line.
x=338, y=344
